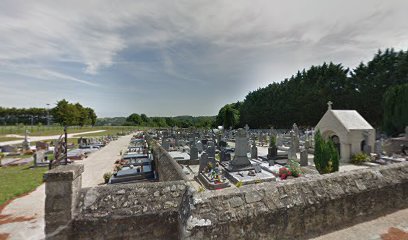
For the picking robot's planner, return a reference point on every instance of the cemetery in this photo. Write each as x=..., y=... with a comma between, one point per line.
x=190, y=183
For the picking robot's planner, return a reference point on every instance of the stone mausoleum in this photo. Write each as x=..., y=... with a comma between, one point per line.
x=350, y=132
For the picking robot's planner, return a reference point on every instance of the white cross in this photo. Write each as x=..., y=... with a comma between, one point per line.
x=329, y=104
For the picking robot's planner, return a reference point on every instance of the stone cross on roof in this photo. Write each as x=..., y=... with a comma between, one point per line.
x=329, y=105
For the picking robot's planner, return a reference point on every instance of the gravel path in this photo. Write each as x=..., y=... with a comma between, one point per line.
x=31, y=206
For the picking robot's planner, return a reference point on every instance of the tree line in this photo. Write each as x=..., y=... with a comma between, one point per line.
x=303, y=98
x=64, y=113
x=179, y=121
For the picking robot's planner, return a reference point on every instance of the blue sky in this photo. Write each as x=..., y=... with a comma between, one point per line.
x=168, y=58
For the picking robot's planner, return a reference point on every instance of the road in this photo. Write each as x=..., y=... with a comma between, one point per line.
x=42, y=138
x=26, y=214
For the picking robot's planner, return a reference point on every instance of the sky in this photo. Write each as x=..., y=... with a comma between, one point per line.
x=169, y=58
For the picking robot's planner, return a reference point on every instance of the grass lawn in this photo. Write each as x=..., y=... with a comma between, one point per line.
x=6, y=139
x=57, y=130
x=17, y=180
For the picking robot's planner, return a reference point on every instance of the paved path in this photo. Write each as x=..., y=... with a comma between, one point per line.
x=394, y=226
x=42, y=138
x=32, y=205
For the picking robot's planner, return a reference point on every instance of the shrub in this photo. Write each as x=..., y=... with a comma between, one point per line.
x=272, y=141
x=326, y=157
x=107, y=176
x=359, y=158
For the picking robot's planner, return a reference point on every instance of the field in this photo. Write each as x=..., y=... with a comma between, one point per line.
x=56, y=130
x=15, y=181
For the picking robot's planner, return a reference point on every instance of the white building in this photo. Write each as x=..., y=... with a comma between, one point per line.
x=350, y=132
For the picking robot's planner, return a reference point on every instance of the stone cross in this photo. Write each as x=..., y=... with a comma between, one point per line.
x=329, y=105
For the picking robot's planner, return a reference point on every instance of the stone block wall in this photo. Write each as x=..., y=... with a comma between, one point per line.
x=62, y=186
x=295, y=209
x=167, y=168
x=129, y=211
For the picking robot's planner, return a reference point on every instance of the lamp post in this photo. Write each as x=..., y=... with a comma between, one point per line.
x=48, y=114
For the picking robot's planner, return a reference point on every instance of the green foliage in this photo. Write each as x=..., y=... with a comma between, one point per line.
x=179, y=121
x=359, y=158
x=302, y=98
x=272, y=141
x=228, y=116
x=239, y=184
x=15, y=181
x=294, y=168
x=12, y=116
x=326, y=157
x=69, y=114
x=107, y=176
x=396, y=109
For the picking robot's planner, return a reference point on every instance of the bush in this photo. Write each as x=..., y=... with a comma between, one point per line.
x=395, y=104
x=326, y=157
x=107, y=176
x=359, y=158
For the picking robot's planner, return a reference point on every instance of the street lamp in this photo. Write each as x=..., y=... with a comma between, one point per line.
x=48, y=114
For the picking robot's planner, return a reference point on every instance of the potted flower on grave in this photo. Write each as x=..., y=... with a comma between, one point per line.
x=107, y=176
x=294, y=168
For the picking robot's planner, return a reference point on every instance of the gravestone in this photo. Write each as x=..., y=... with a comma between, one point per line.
x=378, y=147
x=254, y=151
x=307, y=145
x=41, y=145
x=193, y=152
x=292, y=149
x=26, y=144
x=303, y=158
x=211, y=149
x=199, y=146
x=367, y=149
x=227, y=157
x=166, y=145
x=240, y=159
x=39, y=158
x=203, y=162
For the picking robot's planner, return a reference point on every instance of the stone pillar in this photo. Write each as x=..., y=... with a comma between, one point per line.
x=62, y=186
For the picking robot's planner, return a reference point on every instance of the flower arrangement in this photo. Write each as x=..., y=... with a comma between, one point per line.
x=284, y=173
x=294, y=168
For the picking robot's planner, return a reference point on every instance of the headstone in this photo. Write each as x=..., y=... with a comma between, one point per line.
x=254, y=151
x=303, y=158
x=292, y=149
x=240, y=159
x=307, y=145
x=39, y=157
x=367, y=149
x=227, y=156
x=211, y=149
x=41, y=145
x=199, y=146
x=26, y=144
x=378, y=147
x=193, y=152
x=203, y=162
x=166, y=145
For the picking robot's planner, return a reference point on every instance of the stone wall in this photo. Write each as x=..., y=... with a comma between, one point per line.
x=129, y=211
x=62, y=195
x=167, y=168
x=295, y=209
